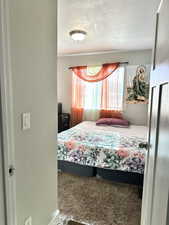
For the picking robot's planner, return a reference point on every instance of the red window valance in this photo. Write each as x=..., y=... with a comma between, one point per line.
x=105, y=71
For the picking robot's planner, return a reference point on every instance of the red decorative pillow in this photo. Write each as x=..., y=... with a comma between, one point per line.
x=114, y=122
x=104, y=113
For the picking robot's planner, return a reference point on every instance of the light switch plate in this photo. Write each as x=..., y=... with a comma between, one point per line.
x=26, y=123
x=28, y=221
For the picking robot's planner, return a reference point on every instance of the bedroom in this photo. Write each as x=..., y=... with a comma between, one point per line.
x=103, y=86
x=101, y=167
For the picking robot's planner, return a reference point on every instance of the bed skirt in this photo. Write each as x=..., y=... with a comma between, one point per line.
x=113, y=175
x=77, y=169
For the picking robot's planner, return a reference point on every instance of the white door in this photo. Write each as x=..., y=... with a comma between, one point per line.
x=155, y=205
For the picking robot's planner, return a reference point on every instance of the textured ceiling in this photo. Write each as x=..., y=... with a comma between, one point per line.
x=110, y=25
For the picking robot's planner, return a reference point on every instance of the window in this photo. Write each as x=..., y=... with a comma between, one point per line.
x=113, y=86
x=92, y=98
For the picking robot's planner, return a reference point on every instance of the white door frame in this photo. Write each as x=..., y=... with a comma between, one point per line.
x=6, y=120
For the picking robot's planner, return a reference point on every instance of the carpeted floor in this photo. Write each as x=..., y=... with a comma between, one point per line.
x=97, y=201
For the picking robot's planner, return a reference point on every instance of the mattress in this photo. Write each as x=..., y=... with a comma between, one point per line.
x=104, y=146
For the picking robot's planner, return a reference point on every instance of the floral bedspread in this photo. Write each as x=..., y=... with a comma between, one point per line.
x=99, y=148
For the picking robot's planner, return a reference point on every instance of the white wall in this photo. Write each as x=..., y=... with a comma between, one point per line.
x=33, y=46
x=137, y=114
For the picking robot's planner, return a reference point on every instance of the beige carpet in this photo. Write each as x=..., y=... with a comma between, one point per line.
x=97, y=201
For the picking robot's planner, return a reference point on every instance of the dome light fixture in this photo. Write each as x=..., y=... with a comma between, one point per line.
x=78, y=35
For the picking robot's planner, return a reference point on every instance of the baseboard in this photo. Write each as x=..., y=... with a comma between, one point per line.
x=54, y=218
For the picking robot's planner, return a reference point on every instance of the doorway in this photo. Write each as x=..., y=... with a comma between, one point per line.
x=90, y=53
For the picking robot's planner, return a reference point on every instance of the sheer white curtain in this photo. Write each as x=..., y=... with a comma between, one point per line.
x=92, y=100
x=113, y=91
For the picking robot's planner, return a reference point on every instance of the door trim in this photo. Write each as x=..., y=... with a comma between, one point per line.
x=7, y=127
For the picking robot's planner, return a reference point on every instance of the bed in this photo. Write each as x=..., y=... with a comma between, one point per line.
x=109, y=152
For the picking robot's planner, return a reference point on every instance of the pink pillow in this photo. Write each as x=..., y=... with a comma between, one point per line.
x=114, y=122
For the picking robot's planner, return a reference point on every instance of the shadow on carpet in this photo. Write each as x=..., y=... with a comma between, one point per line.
x=96, y=201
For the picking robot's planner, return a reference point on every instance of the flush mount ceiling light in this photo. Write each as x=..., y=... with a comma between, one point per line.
x=78, y=35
